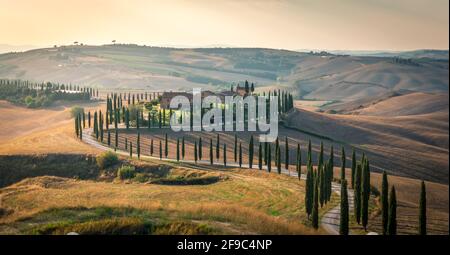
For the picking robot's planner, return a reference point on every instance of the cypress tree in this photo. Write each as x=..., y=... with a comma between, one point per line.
x=116, y=139
x=211, y=152
x=353, y=167
x=200, y=148
x=160, y=150
x=126, y=143
x=109, y=138
x=224, y=154
x=309, y=190
x=96, y=125
x=127, y=119
x=277, y=146
x=235, y=148
x=298, y=163
x=195, y=152
x=77, y=130
x=331, y=163
x=286, y=151
x=89, y=119
x=266, y=155
x=322, y=194
x=166, y=144
x=138, y=146
x=365, y=194
x=218, y=147
x=240, y=154
x=309, y=156
x=131, y=150
x=260, y=163
x=343, y=226
x=178, y=149
x=269, y=158
x=423, y=210
x=250, y=152
x=151, y=147
x=343, y=164
x=392, y=222
x=315, y=207
x=278, y=160
x=384, y=203
x=183, y=151
x=357, y=194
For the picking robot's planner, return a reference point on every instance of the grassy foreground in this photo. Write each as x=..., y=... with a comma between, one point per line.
x=159, y=200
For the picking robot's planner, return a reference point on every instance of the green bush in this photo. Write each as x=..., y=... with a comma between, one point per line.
x=76, y=110
x=126, y=172
x=107, y=159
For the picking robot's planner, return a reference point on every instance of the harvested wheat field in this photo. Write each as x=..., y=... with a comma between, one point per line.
x=40, y=131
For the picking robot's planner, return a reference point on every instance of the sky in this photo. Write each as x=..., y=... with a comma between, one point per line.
x=281, y=24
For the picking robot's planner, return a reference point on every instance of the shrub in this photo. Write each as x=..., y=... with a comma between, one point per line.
x=107, y=159
x=76, y=110
x=126, y=172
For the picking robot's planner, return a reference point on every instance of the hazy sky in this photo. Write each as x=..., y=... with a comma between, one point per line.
x=289, y=24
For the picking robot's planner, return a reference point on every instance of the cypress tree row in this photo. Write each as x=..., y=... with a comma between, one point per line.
x=138, y=146
x=298, y=163
x=392, y=222
x=240, y=154
x=343, y=226
x=260, y=163
x=357, y=194
x=211, y=152
x=343, y=164
x=353, y=167
x=384, y=203
x=315, y=207
x=423, y=210
x=224, y=154
x=250, y=152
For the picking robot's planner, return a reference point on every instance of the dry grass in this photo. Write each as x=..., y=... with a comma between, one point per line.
x=255, y=202
x=28, y=131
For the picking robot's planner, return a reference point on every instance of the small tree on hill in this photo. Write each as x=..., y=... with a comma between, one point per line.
x=423, y=210
x=343, y=226
x=392, y=222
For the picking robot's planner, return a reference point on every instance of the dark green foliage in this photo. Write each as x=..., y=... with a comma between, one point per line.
x=309, y=190
x=353, y=167
x=195, y=152
x=321, y=155
x=260, y=160
x=298, y=164
x=109, y=138
x=269, y=158
x=166, y=146
x=211, y=152
x=392, y=222
x=384, y=203
x=342, y=164
x=315, y=206
x=357, y=194
x=200, y=148
x=278, y=160
x=218, y=147
x=225, y=154
x=183, y=148
x=423, y=210
x=235, y=148
x=131, y=150
x=365, y=194
x=343, y=226
x=250, y=152
x=138, y=145
x=286, y=156
x=160, y=150
x=240, y=154
x=151, y=147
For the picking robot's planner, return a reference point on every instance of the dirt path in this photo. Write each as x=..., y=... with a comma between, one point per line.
x=329, y=221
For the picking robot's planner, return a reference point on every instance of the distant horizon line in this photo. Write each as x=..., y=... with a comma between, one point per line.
x=27, y=47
